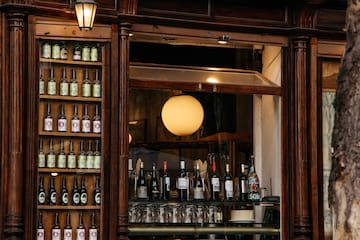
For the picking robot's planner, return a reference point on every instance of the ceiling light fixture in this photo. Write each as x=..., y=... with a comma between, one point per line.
x=224, y=39
x=85, y=13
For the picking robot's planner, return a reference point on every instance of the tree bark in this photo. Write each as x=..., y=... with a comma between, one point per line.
x=344, y=183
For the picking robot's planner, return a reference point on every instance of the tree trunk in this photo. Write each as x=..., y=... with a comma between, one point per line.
x=344, y=183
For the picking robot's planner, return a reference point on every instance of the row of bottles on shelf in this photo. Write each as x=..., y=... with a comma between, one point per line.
x=198, y=187
x=81, y=52
x=79, y=196
x=66, y=232
x=84, y=159
x=84, y=125
x=71, y=88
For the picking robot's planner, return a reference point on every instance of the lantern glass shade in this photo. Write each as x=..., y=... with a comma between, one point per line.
x=182, y=115
x=85, y=13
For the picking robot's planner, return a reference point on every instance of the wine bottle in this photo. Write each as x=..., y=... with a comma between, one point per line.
x=68, y=228
x=48, y=119
x=41, y=84
x=85, y=53
x=83, y=192
x=52, y=191
x=51, y=86
x=55, y=51
x=71, y=163
x=86, y=120
x=198, y=185
x=62, y=122
x=97, y=121
x=182, y=185
x=41, y=191
x=64, y=85
x=154, y=185
x=96, y=85
x=56, y=230
x=93, y=231
x=40, y=231
x=97, y=192
x=94, y=53
x=64, y=192
x=214, y=183
x=86, y=86
x=141, y=187
x=131, y=180
x=41, y=155
x=97, y=155
x=229, y=184
x=80, y=230
x=75, y=193
x=61, y=161
x=165, y=183
x=82, y=155
x=46, y=50
x=74, y=87
x=243, y=184
x=50, y=158
x=253, y=182
x=75, y=121
x=89, y=156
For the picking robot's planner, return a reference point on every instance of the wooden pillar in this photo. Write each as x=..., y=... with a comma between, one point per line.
x=122, y=225
x=300, y=193
x=14, y=219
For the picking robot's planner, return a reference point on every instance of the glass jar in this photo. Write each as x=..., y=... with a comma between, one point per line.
x=55, y=51
x=85, y=53
x=46, y=50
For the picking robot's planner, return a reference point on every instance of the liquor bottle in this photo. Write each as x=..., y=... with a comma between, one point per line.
x=97, y=192
x=41, y=191
x=229, y=184
x=64, y=84
x=93, y=231
x=74, y=87
x=71, y=156
x=97, y=121
x=40, y=231
x=83, y=192
x=41, y=84
x=51, y=86
x=75, y=121
x=75, y=193
x=86, y=125
x=198, y=185
x=61, y=158
x=94, y=56
x=63, y=51
x=182, y=185
x=214, y=183
x=41, y=155
x=46, y=50
x=50, y=158
x=77, y=52
x=82, y=155
x=68, y=228
x=52, y=191
x=253, y=182
x=96, y=87
x=243, y=184
x=131, y=180
x=64, y=200
x=85, y=54
x=55, y=51
x=165, y=182
x=62, y=122
x=48, y=119
x=80, y=230
x=86, y=85
x=89, y=156
x=141, y=187
x=56, y=231
x=154, y=185
x=97, y=155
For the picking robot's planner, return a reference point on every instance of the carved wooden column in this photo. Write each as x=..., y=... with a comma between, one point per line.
x=302, y=226
x=14, y=219
x=122, y=224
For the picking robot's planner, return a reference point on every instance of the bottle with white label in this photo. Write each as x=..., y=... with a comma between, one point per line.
x=141, y=187
x=93, y=231
x=68, y=228
x=182, y=184
x=214, y=183
x=52, y=191
x=80, y=230
x=75, y=201
x=89, y=156
x=198, y=185
x=82, y=155
x=48, y=119
x=86, y=85
x=40, y=231
x=55, y=51
x=41, y=84
x=96, y=85
x=50, y=158
x=83, y=192
x=63, y=51
x=51, y=86
x=41, y=191
x=61, y=157
x=97, y=155
x=75, y=121
x=165, y=183
x=74, y=87
x=253, y=182
x=64, y=200
x=94, y=56
x=56, y=230
x=41, y=155
x=46, y=50
x=85, y=121
x=229, y=184
x=62, y=121
x=64, y=84
x=97, y=121
x=97, y=192
x=71, y=163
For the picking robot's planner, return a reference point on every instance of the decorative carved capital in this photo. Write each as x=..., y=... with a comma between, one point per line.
x=16, y=20
x=13, y=225
x=125, y=30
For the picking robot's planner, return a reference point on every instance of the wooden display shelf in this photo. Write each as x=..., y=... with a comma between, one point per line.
x=70, y=62
x=69, y=170
x=68, y=207
x=69, y=98
x=68, y=134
